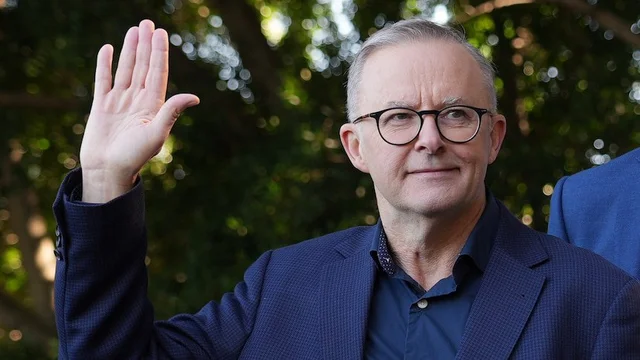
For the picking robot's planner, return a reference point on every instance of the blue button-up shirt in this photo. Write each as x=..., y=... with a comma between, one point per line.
x=407, y=322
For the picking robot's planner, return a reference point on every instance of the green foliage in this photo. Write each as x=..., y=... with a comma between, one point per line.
x=14, y=275
x=12, y=350
x=242, y=175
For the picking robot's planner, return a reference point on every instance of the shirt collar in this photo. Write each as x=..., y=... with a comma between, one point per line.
x=478, y=246
x=480, y=241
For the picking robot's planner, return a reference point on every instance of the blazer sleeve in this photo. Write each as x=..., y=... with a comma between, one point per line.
x=101, y=305
x=556, y=217
x=619, y=334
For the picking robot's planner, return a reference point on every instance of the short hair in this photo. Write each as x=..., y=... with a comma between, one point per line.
x=413, y=30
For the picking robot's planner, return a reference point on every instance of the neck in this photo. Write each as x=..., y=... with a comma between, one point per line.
x=426, y=248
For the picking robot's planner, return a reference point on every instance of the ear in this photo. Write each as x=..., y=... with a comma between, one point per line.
x=497, y=134
x=350, y=137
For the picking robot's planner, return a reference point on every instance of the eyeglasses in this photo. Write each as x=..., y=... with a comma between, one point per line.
x=399, y=126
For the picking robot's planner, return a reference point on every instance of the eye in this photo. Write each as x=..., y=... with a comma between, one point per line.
x=400, y=116
x=457, y=117
x=455, y=114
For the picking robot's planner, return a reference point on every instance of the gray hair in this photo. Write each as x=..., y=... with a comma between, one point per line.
x=408, y=31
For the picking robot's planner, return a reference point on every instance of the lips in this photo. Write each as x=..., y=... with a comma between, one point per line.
x=432, y=170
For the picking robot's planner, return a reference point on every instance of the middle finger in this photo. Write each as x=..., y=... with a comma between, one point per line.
x=143, y=53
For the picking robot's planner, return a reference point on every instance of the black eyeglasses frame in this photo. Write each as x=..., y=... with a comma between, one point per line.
x=376, y=115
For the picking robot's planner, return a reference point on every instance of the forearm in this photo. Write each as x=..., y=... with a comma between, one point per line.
x=102, y=308
x=101, y=280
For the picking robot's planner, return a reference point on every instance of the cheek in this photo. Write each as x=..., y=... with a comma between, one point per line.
x=384, y=161
x=475, y=158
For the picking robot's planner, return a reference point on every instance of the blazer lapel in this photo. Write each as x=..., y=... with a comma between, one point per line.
x=509, y=291
x=345, y=295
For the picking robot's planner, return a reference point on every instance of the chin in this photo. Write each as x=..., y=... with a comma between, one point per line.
x=431, y=206
x=427, y=201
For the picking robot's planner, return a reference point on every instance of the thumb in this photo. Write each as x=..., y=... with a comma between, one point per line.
x=172, y=109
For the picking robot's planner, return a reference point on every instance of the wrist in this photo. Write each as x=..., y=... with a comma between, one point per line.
x=101, y=186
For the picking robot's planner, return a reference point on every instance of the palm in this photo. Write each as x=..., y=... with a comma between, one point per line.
x=129, y=119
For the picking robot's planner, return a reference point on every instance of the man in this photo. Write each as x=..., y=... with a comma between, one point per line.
x=598, y=209
x=447, y=272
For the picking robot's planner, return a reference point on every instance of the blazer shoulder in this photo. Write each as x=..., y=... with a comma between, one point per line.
x=580, y=266
x=301, y=264
x=353, y=238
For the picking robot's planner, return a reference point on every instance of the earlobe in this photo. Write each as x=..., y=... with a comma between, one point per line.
x=350, y=138
x=497, y=134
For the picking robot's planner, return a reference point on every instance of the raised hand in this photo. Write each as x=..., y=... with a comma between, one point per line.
x=129, y=119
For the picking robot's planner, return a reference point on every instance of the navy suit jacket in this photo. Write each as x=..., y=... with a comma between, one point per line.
x=599, y=209
x=541, y=298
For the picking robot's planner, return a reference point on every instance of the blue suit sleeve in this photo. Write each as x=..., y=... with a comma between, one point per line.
x=101, y=305
x=556, y=217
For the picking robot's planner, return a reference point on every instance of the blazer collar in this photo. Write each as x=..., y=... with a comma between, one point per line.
x=345, y=295
x=515, y=239
x=510, y=290
x=359, y=240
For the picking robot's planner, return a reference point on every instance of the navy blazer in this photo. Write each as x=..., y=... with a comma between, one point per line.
x=541, y=298
x=599, y=209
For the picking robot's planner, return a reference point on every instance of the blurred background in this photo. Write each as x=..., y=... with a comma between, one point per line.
x=259, y=164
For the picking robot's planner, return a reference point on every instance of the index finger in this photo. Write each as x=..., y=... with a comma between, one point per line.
x=103, y=71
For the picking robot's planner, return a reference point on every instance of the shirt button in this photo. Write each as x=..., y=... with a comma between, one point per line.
x=57, y=254
x=423, y=303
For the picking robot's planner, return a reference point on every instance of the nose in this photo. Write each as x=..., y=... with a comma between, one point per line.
x=429, y=138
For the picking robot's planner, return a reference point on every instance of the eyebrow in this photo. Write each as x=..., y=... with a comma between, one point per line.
x=399, y=104
x=451, y=100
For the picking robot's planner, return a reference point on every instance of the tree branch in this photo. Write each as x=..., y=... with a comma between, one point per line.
x=38, y=102
x=471, y=12
x=243, y=23
x=620, y=27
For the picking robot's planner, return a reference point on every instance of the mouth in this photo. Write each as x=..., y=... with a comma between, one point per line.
x=434, y=172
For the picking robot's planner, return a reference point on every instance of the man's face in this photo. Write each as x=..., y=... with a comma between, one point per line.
x=430, y=175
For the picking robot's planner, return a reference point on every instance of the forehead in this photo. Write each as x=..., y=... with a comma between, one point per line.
x=425, y=74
